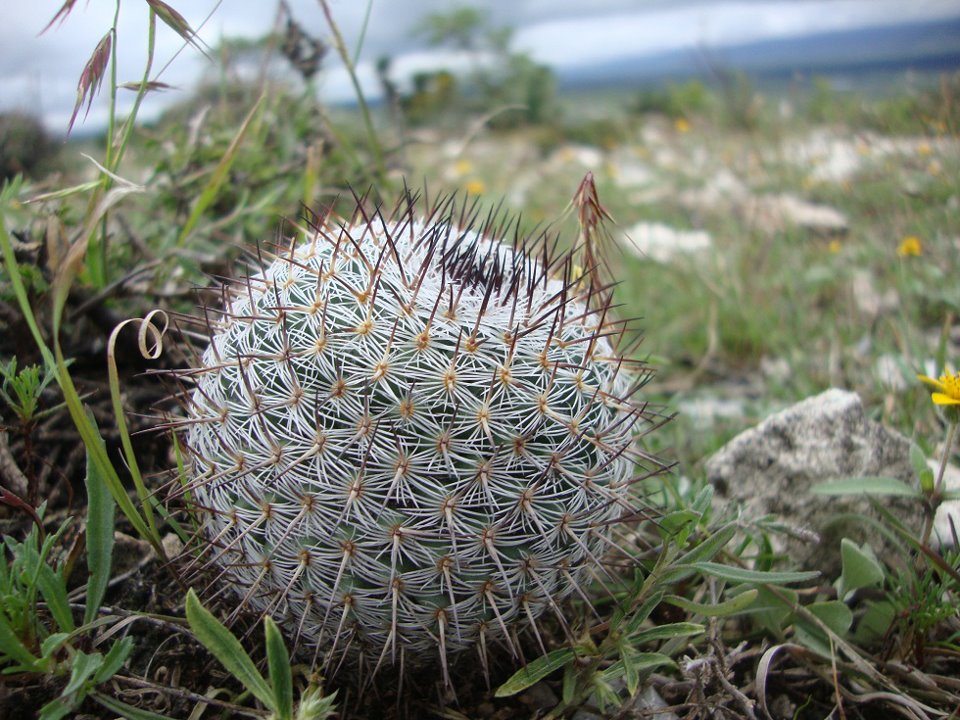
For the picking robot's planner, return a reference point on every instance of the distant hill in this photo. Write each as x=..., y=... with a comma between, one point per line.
x=926, y=46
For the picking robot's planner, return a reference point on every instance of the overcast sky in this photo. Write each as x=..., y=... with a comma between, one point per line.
x=39, y=73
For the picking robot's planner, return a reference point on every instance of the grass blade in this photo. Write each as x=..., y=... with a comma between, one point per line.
x=124, y=710
x=227, y=649
x=728, y=607
x=278, y=662
x=534, y=672
x=212, y=188
x=743, y=575
x=100, y=525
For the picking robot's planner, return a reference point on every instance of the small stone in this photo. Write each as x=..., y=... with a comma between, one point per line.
x=889, y=373
x=949, y=511
x=775, y=213
x=663, y=243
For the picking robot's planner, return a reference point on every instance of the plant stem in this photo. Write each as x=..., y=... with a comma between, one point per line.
x=374, y=141
x=945, y=458
x=936, y=497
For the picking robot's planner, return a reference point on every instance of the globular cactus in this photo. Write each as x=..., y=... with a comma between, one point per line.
x=408, y=437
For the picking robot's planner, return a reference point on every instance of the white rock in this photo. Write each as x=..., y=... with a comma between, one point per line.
x=868, y=300
x=663, y=243
x=585, y=155
x=774, y=213
x=703, y=412
x=949, y=510
x=889, y=373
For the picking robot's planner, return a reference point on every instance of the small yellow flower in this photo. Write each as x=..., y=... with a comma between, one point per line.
x=924, y=149
x=910, y=247
x=934, y=167
x=681, y=125
x=947, y=387
x=834, y=246
x=475, y=187
x=462, y=166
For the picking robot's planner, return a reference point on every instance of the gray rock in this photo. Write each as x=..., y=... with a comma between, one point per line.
x=770, y=469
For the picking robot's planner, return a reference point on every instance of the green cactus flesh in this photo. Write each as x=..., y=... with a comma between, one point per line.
x=409, y=437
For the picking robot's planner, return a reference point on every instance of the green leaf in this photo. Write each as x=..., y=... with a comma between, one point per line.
x=875, y=622
x=678, y=524
x=82, y=667
x=771, y=611
x=709, y=548
x=743, y=575
x=667, y=632
x=281, y=678
x=533, y=672
x=114, y=660
x=100, y=525
x=638, y=616
x=866, y=485
x=227, y=649
x=53, y=643
x=918, y=460
x=12, y=648
x=832, y=613
x=860, y=568
x=54, y=591
x=639, y=662
x=314, y=705
x=220, y=172
x=737, y=603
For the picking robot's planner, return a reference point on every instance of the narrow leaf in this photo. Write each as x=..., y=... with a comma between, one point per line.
x=639, y=662
x=54, y=591
x=212, y=188
x=866, y=485
x=638, y=616
x=227, y=649
x=11, y=646
x=100, y=524
x=667, y=632
x=709, y=548
x=743, y=575
x=124, y=710
x=534, y=672
x=278, y=662
x=114, y=660
x=729, y=607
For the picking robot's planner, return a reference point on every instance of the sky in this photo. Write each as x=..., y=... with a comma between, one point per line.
x=39, y=72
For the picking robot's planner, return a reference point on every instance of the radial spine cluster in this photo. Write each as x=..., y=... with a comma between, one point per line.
x=408, y=436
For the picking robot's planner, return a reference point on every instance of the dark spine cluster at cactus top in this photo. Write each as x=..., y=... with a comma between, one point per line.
x=409, y=436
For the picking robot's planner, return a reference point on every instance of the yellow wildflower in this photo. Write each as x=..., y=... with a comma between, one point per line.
x=947, y=387
x=462, y=167
x=910, y=246
x=475, y=187
x=834, y=246
x=924, y=149
x=681, y=125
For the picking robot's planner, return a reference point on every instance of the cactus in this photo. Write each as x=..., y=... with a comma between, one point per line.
x=408, y=437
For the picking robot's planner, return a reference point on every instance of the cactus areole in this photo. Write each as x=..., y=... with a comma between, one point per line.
x=408, y=436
